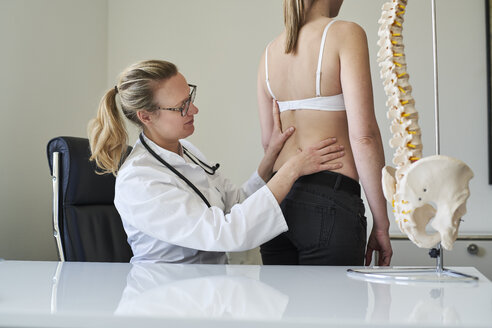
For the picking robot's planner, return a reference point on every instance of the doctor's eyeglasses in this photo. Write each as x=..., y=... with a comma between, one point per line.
x=186, y=104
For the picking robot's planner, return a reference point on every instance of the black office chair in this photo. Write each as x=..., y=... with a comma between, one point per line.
x=86, y=225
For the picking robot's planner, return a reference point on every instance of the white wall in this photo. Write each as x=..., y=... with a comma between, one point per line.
x=79, y=47
x=216, y=45
x=53, y=68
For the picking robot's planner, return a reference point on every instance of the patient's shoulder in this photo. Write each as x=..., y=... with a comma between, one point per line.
x=349, y=31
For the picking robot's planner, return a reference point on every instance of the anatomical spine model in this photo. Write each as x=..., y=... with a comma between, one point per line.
x=419, y=189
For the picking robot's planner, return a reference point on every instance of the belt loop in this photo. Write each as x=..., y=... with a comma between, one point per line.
x=337, y=183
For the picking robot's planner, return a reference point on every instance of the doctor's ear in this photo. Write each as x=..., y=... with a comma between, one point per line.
x=144, y=116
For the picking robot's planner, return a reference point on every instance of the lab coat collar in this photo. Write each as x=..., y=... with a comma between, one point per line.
x=169, y=156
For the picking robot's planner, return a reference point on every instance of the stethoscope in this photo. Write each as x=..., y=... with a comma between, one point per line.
x=207, y=168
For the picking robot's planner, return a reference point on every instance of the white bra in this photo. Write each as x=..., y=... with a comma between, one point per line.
x=330, y=103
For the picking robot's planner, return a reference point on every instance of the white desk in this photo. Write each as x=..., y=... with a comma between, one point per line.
x=52, y=294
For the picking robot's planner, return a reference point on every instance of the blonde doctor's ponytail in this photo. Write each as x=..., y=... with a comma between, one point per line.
x=108, y=137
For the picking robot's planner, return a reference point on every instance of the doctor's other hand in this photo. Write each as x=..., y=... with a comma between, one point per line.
x=313, y=159
x=319, y=157
x=278, y=138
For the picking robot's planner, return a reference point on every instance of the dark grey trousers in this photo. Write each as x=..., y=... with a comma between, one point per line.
x=327, y=226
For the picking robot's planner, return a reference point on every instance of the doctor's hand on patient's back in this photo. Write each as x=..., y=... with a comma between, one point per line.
x=313, y=159
x=277, y=141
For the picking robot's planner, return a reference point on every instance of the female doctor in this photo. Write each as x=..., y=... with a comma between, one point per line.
x=174, y=206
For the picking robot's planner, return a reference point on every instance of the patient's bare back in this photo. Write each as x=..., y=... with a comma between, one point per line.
x=293, y=77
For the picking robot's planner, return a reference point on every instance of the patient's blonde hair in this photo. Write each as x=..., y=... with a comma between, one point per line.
x=108, y=137
x=294, y=15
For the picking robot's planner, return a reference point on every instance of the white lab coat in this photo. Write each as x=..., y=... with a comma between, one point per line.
x=166, y=221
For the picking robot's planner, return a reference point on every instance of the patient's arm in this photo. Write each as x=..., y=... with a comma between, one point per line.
x=364, y=134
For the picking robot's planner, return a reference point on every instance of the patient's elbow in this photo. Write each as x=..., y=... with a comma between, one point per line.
x=366, y=140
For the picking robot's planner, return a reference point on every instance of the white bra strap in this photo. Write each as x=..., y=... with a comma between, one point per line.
x=266, y=72
x=320, y=58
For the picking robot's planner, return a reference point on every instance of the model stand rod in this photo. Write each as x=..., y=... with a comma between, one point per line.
x=436, y=77
x=440, y=250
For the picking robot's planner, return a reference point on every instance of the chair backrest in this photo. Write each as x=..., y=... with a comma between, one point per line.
x=86, y=225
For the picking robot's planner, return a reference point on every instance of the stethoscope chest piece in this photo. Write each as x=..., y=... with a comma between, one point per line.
x=207, y=168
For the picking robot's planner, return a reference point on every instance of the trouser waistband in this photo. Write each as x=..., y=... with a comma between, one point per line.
x=335, y=180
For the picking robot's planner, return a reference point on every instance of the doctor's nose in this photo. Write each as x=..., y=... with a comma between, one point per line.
x=192, y=110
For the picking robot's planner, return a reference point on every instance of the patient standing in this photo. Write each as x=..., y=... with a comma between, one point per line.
x=318, y=71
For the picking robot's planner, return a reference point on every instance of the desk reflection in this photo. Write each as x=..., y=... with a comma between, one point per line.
x=435, y=309
x=241, y=292
x=430, y=303
x=180, y=290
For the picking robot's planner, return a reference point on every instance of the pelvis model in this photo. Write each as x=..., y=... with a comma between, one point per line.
x=419, y=189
